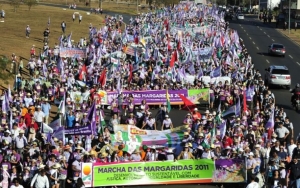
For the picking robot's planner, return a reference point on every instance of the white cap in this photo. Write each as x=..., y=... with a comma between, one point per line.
x=251, y=154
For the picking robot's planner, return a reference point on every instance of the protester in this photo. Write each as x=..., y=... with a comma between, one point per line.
x=163, y=51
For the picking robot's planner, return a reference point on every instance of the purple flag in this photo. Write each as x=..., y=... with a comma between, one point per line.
x=216, y=72
x=270, y=123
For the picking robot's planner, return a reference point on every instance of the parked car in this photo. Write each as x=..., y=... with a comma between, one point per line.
x=240, y=17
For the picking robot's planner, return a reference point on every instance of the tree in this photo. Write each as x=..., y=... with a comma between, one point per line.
x=15, y=4
x=31, y=3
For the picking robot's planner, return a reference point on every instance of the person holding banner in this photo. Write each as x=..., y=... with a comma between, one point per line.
x=185, y=154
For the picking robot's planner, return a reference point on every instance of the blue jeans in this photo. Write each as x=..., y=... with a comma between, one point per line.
x=295, y=183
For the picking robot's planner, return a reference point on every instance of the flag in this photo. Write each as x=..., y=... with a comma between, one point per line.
x=48, y=21
x=270, y=123
x=200, y=73
x=7, y=102
x=101, y=120
x=62, y=106
x=173, y=59
x=130, y=73
x=82, y=73
x=69, y=41
x=222, y=129
x=244, y=101
x=102, y=78
x=216, y=72
x=119, y=87
x=10, y=121
x=238, y=107
x=9, y=94
x=168, y=101
x=205, y=143
x=4, y=106
x=188, y=105
x=229, y=112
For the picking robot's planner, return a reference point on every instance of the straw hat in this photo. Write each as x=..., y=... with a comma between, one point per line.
x=56, y=166
x=206, y=112
x=200, y=135
x=21, y=132
x=136, y=151
x=78, y=147
x=41, y=166
x=67, y=147
x=103, y=155
x=185, y=133
x=212, y=146
x=257, y=146
x=282, y=165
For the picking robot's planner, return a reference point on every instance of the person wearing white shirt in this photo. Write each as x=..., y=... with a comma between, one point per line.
x=291, y=148
x=39, y=116
x=28, y=100
x=76, y=167
x=253, y=184
x=167, y=123
x=40, y=180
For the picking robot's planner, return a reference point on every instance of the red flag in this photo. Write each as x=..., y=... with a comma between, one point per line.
x=130, y=73
x=175, y=54
x=169, y=45
x=102, y=78
x=188, y=105
x=173, y=59
x=83, y=72
x=244, y=102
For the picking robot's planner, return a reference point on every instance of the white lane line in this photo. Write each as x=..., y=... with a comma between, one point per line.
x=273, y=40
x=240, y=25
x=264, y=32
x=257, y=48
x=253, y=42
x=298, y=63
x=260, y=28
x=267, y=61
x=250, y=38
x=247, y=33
x=269, y=36
x=291, y=56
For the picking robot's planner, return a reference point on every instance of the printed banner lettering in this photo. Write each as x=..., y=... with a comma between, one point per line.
x=86, y=130
x=156, y=97
x=145, y=173
x=72, y=52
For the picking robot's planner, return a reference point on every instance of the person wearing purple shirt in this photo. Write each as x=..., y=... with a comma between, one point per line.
x=131, y=120
x=114, y=107
x=15, y=158
x=130, y=107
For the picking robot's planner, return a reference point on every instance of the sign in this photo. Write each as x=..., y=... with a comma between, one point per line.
x=72, y=52
x=157, y=97
x=149, y=173
x=135, y=137
x=87, y=174
x=86, y=130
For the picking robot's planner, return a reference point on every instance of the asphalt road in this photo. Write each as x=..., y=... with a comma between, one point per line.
x=257, y=36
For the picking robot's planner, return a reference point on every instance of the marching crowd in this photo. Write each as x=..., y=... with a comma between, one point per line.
x=259, y=131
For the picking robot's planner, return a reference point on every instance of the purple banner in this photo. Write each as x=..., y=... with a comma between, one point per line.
x=151, y=96
x=87, y=130
x=229, y=170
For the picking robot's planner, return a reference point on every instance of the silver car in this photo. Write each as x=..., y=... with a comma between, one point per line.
x=278, y=75
x=276, y=49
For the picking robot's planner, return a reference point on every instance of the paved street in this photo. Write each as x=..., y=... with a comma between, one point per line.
x=257, y=36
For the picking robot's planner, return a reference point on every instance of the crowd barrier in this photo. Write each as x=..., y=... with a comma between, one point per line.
x=164, y=172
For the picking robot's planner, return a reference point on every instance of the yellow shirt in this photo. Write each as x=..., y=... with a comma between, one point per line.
x=24, y=111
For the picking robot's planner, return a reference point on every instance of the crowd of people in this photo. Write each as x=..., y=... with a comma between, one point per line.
x=182, y=41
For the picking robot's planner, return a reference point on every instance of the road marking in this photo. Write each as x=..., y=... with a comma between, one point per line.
x=253, y=42
x=250, y=38
x=260, y=28
x=240, y=25
x=273, y=40
x=247, y=33
x=267, y=61
x=269, y=36
x=298, y=63
x=264, y=32
x=244, y=30
x=257, y=48
x=291, y=56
